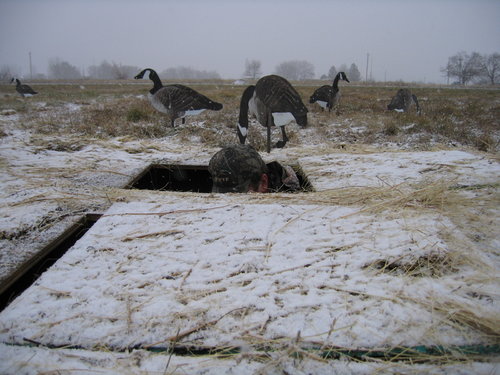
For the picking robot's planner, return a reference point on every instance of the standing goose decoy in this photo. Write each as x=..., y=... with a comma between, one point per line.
x=274, y=102
x=176, y=100
x=23, y=90
x=329, y=96
x=402, y=101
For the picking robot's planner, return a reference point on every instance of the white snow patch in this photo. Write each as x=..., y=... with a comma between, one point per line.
x=391, y=168
x=147, y=270
x=72, y=107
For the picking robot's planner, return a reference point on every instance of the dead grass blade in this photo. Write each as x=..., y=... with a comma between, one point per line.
x=199, y=327
x=166, y=212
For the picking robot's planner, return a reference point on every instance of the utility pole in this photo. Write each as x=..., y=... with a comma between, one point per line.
x=367, y=60
x=371, y=69
x=31, y=68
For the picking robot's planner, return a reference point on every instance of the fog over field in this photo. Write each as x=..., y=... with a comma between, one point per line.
x=405, y=40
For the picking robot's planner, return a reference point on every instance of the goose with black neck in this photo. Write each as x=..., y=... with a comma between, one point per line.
x=176, y=101
x=274, y=102
x=329, y=96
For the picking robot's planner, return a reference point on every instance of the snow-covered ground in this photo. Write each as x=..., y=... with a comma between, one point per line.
x=391, y=250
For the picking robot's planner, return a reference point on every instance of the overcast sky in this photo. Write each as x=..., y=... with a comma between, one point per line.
x=408, y=40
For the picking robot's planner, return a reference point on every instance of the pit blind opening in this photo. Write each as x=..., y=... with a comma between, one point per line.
x=190, y=178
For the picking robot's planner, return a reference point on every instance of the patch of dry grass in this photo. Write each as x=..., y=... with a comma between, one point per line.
x=430, y=265
x=449, y=116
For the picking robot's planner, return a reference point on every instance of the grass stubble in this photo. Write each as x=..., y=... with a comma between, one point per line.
x=450, y=117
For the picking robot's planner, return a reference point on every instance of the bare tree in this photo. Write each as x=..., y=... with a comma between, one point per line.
x=63, y=70
x=464, y=67
x=185, y=72
x=491, y=67
x=102, y=71
x=106, y=70
x=296, y=70
x=124, y=71
x=5, y=73
x=332, y=72
x=118, y=72
x=353, y=73
x=252, y=69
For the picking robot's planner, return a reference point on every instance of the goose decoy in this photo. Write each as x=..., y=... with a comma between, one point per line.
x=177, y=101
x=402, y=101
x=23, y=90
x=329, y=96
x=274, y=102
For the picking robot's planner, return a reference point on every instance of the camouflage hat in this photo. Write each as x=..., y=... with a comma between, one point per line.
x=235, y=169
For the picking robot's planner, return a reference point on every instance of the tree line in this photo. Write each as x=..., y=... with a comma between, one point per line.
x=60, y=69
x=462, y=69
x=473, y=68
x=300, y=70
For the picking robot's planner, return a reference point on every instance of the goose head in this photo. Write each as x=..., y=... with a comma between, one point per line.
x=147, y=73
x=396, y=104
x=397, y=101
x=314, y=98
x=301, y=119
x=151, y=74
x=343, y=77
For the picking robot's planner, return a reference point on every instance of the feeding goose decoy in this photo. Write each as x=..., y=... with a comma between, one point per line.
x=176, y=100
x=329, y=96
x=402, y=101
x=23, y=90
x=274, y=102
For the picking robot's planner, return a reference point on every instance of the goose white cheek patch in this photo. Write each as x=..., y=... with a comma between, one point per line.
x=322, y=103
x=243, y=131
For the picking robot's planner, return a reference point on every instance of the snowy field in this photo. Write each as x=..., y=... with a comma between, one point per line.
x=389, y=266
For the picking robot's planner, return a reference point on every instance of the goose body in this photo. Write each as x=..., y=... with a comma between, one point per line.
x=329, y=96
x=177, y=101
x=273, y=102
x=23, y=90
x=403, y=101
